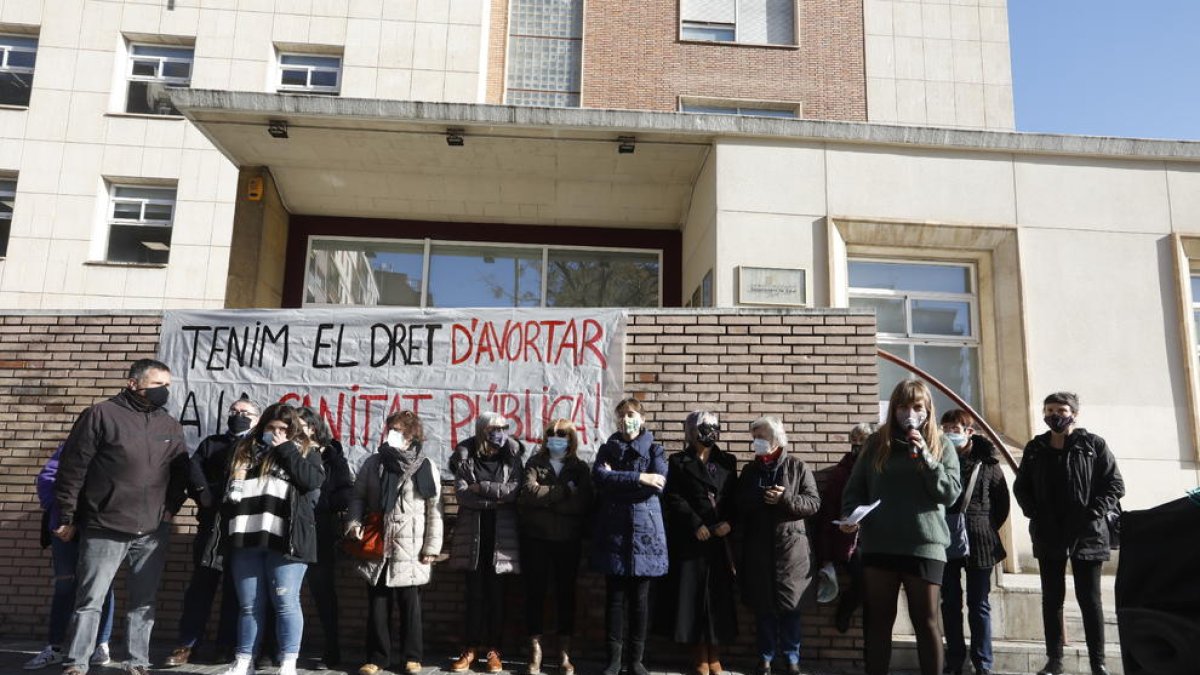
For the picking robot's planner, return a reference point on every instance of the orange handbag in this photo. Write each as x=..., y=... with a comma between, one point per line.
x=370, y=547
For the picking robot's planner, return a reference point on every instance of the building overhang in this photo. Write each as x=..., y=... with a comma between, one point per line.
x=391, y=159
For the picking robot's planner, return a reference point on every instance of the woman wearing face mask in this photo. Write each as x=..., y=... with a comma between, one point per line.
x=629, y=544
x=696, y=607
x=403, y=485
x=912, y=470
x=979, y=515
x=554, y=500
x=484, y=543
x=775, y=493
x=272, y=532
x=836, y=550
x=1067, y=485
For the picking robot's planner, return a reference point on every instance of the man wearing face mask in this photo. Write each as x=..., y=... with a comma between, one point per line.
x=210, y=474
x=121, y=478
x=1067, y=484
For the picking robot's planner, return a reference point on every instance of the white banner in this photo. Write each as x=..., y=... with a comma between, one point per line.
x=357, y=365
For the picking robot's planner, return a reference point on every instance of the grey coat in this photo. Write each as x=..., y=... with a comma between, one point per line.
x=499, y=496
x=412, y=530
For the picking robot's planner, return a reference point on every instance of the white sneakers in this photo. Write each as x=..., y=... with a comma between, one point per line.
x=101, y=657
x=242, y=665
x=49, y=656
x=288, y=665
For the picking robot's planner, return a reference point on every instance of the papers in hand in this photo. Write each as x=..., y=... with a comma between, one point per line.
x=858, y=514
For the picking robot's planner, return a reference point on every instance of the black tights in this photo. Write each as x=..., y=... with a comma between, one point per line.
x=881, y=588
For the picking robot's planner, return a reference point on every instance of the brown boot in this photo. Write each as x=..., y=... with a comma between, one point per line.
x=714, y=659
x=564, y=657
x=535, y=655
x=700, y=659
x=494, y=664
x=464, y=661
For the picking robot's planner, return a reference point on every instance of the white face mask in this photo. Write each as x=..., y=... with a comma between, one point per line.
x=396, y=440
x=910, y=419
x=761, y=446
x=958, y=440
x=631, y=425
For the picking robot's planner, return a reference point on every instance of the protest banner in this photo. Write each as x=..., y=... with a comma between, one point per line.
x=357, y=365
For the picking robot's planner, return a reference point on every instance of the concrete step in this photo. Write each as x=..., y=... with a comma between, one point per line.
x=1017, y=609
x=1011, y=657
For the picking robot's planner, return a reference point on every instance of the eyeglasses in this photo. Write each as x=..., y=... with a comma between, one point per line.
x=243, y=413
x=561, y=433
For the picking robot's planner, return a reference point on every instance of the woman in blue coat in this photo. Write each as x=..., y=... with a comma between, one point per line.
x=629, y=544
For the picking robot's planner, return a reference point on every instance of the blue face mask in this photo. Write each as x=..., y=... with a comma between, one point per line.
x=497, y=437
x=557, y=446
x=268, y=438
x=958, y=440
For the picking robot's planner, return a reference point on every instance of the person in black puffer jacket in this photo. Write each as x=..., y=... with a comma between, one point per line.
x=1067, y=485
x=980, y=520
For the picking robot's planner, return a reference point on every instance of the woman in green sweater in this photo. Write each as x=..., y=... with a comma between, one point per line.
x=912, y=470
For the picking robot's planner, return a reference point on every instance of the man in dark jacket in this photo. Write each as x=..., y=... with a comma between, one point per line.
x=1067, y=485
x=210, y=473
x=121, y=478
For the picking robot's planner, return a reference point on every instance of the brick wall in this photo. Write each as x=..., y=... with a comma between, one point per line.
x=633, y=59
x=815, y=369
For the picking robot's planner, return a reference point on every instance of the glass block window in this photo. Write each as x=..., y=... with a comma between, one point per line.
x=747, y=109
x=140, y=223
x=770, y=22
x=429, y=273
x=545, y=46
x=310, y=73
x=927, y=314
x=153, y=68
x=8, y=200
x=18, y=54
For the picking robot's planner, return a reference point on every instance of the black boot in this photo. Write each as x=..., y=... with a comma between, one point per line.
x=1053, y=667
x=1098, y=668
x=614, y=659
x=637, y=650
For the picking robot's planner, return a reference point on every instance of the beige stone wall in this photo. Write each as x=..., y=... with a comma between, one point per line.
x=938, y=62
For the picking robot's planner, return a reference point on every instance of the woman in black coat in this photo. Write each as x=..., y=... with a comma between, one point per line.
x=697, y=606
x=775, y=493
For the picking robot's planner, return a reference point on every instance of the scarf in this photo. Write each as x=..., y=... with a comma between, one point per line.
x=399, y=467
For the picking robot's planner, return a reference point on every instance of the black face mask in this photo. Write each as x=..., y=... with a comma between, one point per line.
x=708, y=434
x=157, y=396
x=238, y=424
x=1058, y=423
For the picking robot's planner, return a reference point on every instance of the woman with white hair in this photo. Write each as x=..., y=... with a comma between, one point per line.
x=775, y=493
x=485, y=543
x=697, y=607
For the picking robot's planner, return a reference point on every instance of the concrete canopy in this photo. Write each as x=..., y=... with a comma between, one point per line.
x=343, y=158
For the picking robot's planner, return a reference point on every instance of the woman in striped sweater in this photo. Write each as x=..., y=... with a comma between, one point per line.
x=272, y=531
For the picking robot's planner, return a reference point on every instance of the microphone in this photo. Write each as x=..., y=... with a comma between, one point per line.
x=911, y=425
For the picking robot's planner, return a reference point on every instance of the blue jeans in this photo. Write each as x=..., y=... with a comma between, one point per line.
x=101, y=553
x=63, y=557
x=979, y=615
x=259, y=574
x=779, y=631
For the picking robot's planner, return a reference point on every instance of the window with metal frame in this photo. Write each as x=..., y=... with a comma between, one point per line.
x=748, y=110
x=309, y=73
x=545, y=53
x=153, y=68
x=140, y=221
x=18, y=55
x=360, y=271
x=766, y=22
x=8, y=201
x=927, y=313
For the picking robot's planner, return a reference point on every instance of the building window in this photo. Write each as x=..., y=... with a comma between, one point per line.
x=310, y=73
x=545, y=47
x=153, y=68
x=140, y=220
x=927, y=314
x=8, y=200
x=428, y=273
x=749, y=109
x=1195, y=311
x=18, y=53
x=764, y=22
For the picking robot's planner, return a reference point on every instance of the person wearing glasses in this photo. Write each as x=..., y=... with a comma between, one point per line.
x=555, y=498
x=484, y=543
x=775, y=493
x=697, y=607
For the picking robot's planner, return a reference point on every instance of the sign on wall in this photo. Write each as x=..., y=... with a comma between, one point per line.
x=771, y=286
x=355, y=366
